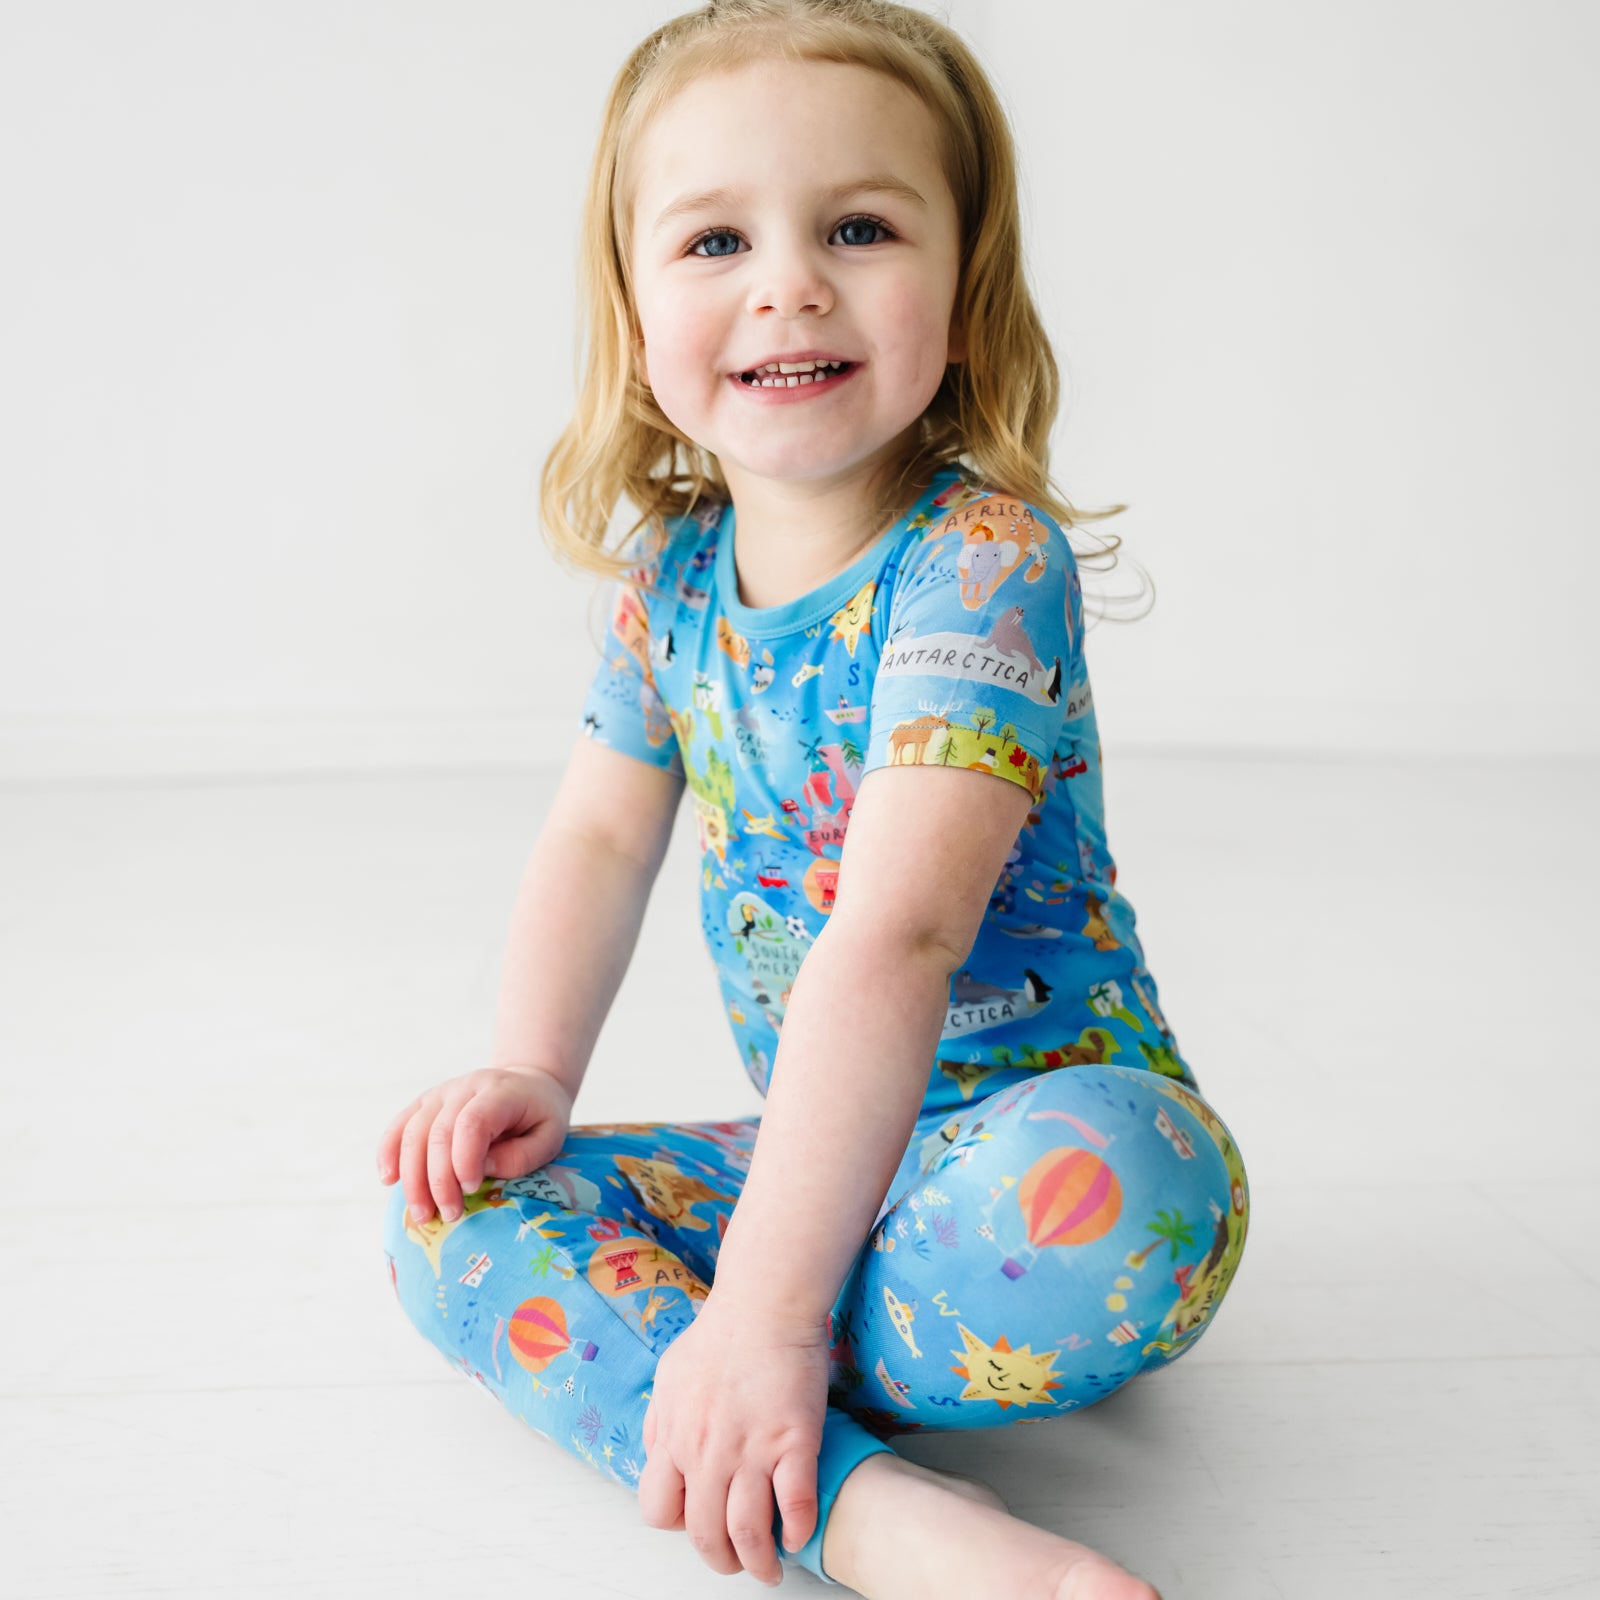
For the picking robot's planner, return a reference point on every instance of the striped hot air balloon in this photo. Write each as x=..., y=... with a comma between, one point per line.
x=537, y=1333
x=1068, y=1197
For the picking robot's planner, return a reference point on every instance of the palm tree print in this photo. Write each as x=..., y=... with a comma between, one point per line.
x=1169, y=1228
x=542, y=1263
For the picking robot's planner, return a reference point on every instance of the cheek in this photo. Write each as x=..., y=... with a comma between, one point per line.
x=682, y=370
x=681, y=352
x=913, y=323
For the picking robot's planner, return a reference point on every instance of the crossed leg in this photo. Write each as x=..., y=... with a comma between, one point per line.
x=559, y=1291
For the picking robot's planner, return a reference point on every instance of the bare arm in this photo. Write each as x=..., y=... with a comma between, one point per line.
x=579, y=909
x=923, y=851
x=860, y=1032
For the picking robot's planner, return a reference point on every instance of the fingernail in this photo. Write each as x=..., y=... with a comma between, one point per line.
x=450, y=1213
x=418, y=1214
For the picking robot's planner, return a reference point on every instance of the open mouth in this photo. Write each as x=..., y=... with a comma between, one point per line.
x=803, y=374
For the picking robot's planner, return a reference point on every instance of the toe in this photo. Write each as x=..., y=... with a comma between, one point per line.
x=1096, y=1580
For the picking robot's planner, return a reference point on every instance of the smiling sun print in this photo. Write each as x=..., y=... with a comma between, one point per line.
x=999, y=1373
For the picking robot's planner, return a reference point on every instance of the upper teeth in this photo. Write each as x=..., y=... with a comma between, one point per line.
x=797, y=366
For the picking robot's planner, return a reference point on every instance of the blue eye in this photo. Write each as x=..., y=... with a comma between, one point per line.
x=715, y=233
x=870, y=222
x=728, y=233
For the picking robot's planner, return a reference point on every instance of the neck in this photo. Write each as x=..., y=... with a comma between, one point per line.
x=794, y=534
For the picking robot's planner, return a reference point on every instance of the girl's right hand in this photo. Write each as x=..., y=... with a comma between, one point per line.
x=498, y=1122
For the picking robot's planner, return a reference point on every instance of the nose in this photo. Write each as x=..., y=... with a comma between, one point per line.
x=793, y=280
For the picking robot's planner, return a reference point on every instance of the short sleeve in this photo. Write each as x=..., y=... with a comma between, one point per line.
x=623, y=709
x=982, y=645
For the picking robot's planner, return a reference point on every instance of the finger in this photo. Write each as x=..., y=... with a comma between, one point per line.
x=513, y=1158
x=794, y=1484
x=647, y=1429
x=750, y=1524
x=414, y=1160
x=441, y=1174
x=389, y=1143
x=705, y=1518
x=661, y=1491
x=477, y=1122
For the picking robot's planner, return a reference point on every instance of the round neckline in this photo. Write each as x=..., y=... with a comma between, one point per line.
x=828, y=596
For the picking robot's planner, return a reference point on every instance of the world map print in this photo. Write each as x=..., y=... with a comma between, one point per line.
x=955, y=639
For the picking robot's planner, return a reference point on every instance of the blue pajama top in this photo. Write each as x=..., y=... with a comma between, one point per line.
x=956, y=639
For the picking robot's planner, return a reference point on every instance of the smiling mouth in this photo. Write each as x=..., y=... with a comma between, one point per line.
x=764, y=379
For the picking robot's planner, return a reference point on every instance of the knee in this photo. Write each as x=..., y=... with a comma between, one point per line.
x=1142, y=1159
x=1192, y=1192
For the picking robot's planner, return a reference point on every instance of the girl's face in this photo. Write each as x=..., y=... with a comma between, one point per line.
x=781, y=262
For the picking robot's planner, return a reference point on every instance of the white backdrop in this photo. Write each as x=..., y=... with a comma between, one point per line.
x=286, y=304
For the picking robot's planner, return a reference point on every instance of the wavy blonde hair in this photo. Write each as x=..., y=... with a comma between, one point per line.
x=993, y=411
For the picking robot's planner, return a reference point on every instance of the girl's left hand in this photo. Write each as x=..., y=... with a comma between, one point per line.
x=735, y=1417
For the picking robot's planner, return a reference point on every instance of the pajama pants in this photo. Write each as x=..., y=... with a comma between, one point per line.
x=1034, y=1252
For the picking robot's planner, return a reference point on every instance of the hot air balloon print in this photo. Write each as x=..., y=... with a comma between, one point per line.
x=1069, y=1196
x=538, y=1334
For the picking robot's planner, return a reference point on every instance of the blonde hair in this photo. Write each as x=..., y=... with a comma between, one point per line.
x=993, y=411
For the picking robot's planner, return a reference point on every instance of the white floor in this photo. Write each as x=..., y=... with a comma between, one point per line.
x=213, y=996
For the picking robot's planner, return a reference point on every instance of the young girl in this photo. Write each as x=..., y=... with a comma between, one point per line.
x=984, y=1188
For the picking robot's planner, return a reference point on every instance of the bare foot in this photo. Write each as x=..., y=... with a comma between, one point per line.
x=902, y=1532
